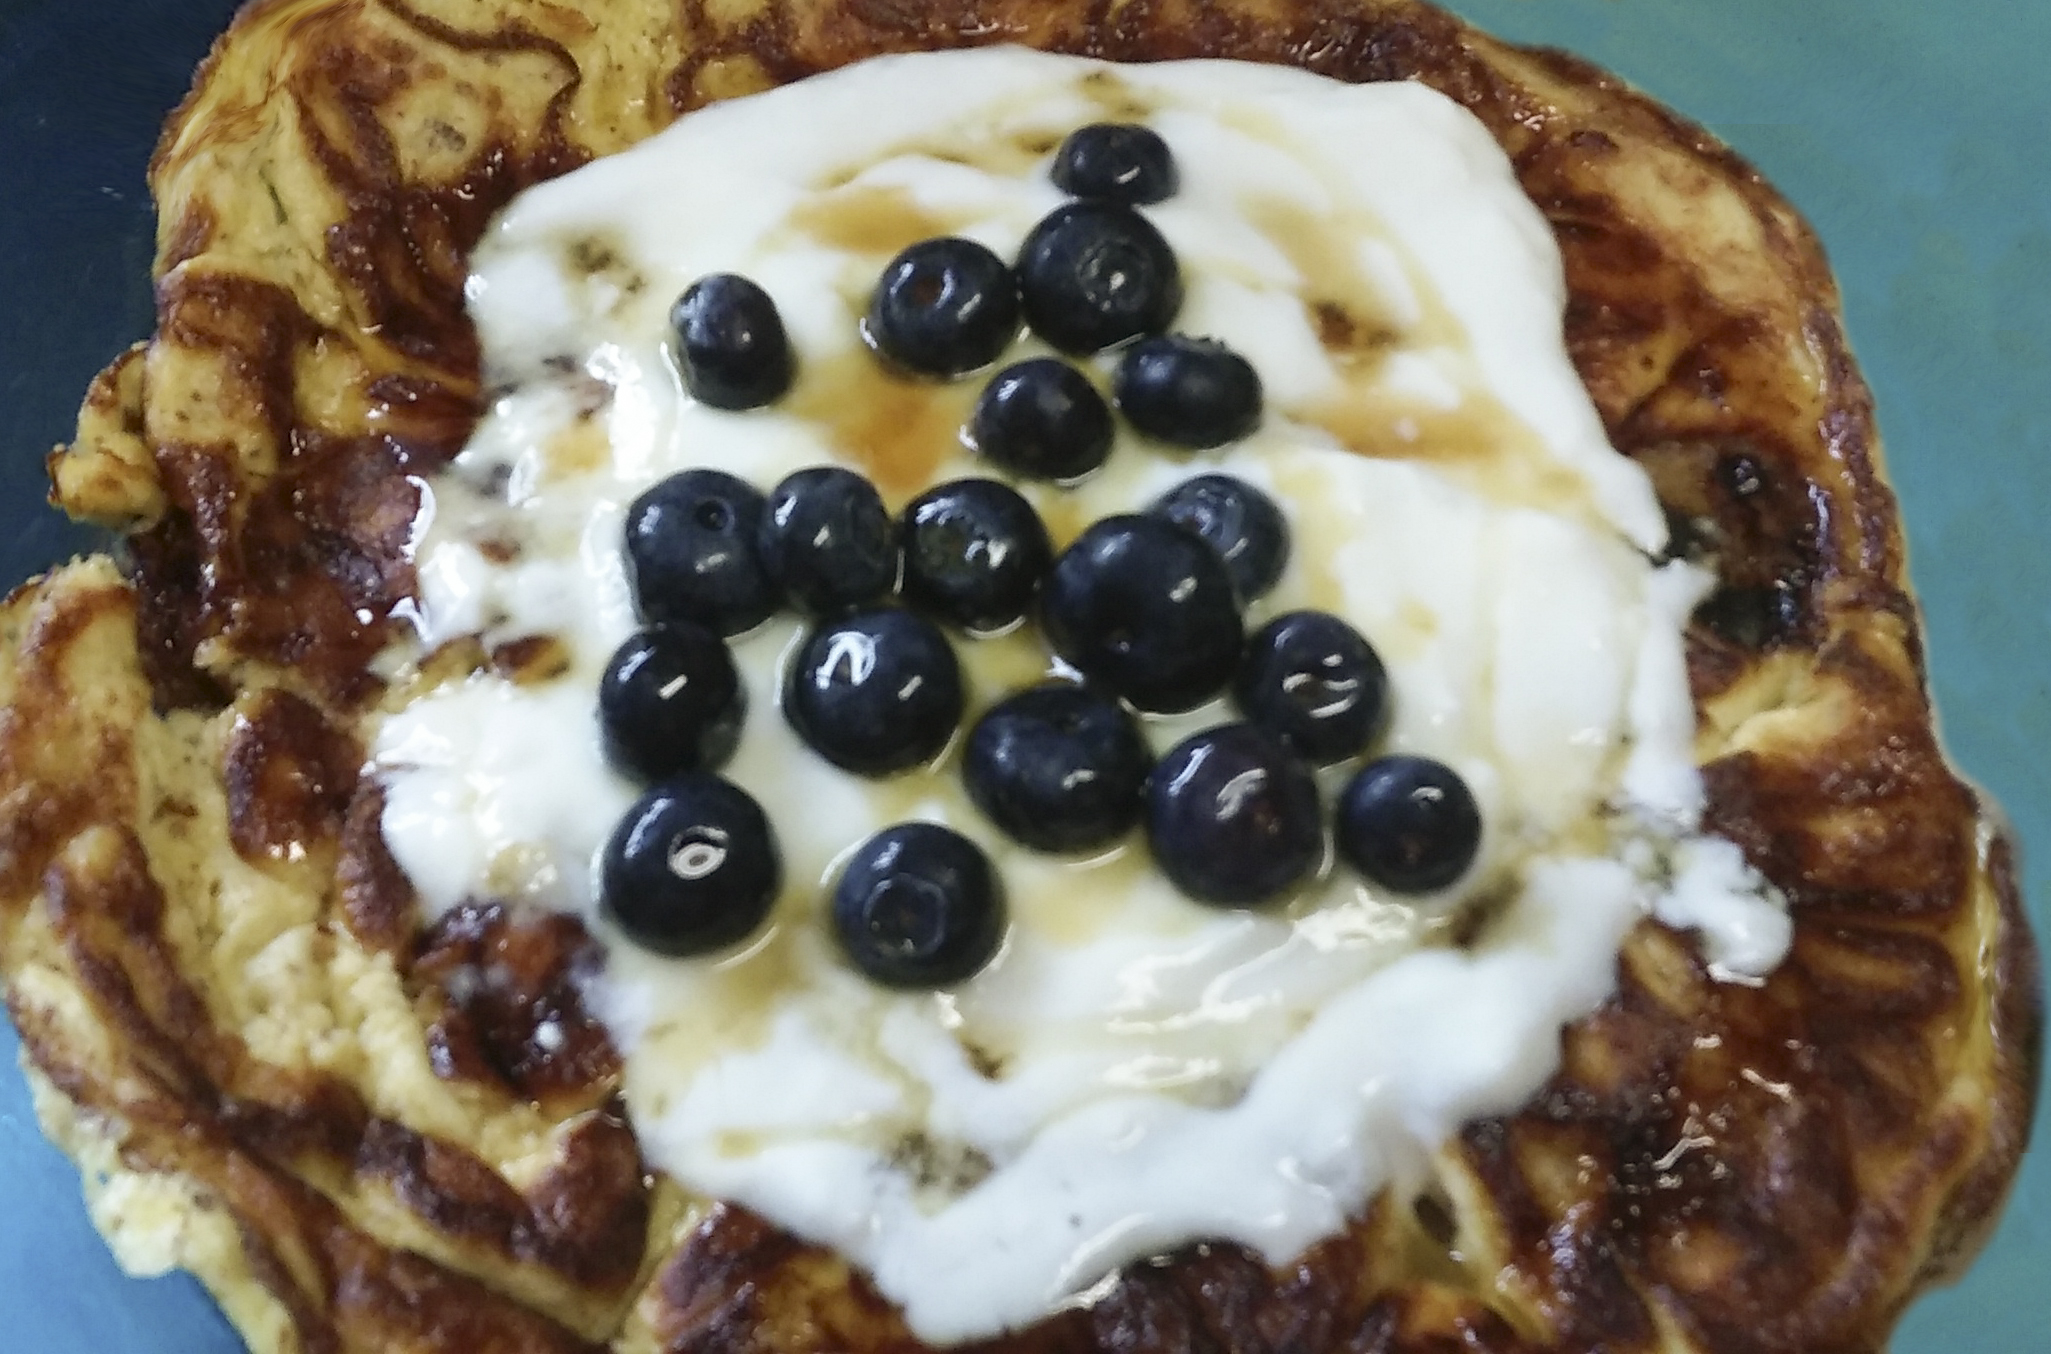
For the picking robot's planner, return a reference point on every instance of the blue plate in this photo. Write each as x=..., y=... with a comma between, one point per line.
x=1916, y=137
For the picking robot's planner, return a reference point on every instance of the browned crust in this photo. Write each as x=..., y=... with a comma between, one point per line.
x=191, y=1102
x=289, y=774
x=1853, y=1123
x=275, y=1145
x=517, y=978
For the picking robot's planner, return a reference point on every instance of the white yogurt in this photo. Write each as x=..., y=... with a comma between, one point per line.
x=1133, y=1071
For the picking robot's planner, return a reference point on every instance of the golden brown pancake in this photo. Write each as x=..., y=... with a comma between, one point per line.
x=346, y=1124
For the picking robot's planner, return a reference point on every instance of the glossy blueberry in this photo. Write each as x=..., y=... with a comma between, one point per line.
x=1097, y=273
x=730, y=343
x=1409, y=824
x=691, y=547
x=1190, y=392
x=1238, y=521
x=943, y=307
x=1120, y=161
x=918, y=906
x=1146, y=608
x=1315, y=683
x=1042, y=419
x=692, y=868
x=1059, y=768
x=974, y=552
x=875, y=692
x=1233, y=817
x=827, y=541
x=671, y=701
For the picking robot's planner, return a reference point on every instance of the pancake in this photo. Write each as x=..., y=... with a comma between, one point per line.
x=277, y=1078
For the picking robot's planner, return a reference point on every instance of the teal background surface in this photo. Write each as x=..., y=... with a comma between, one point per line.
x=1916, y=137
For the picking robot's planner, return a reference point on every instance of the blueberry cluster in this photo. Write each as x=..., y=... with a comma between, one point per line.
x=1148, y=607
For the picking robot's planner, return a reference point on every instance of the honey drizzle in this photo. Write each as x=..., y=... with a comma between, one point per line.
x=896, y=430
x=1477, y=441
x=876, y=219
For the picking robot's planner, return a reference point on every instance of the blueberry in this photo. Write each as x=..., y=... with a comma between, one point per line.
x=692, y=868
x=1042, y=419
x=1314, y=682
x=827, y=540
x=918, y=906
x=1120, y=161
x=875, y=692
x=1146, y=608
x=1059, y=768
x=943, y=307
x=671, y=701
x=691, y=550
x=1233, y=817
x=1096, y=273
x=1409, y=824
x=730, y=343
x=1238, y=521
x=1189, y=392
x=974, y=551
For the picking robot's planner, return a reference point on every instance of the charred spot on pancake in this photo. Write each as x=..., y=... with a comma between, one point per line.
x=585, y=1218
x=376, y=897
x=1688, y=537
x=512, y=1012
x=531, y=659
x=164, y=565
x=289, y=774
x=1759, y=617
x=1434, y=1214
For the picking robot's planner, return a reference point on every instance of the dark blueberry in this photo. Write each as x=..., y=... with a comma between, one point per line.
x=1121, y=161
x=1059, y=768
x=1190, y=392
x=730, y=343
x=1233, y=817
x=918, y=906
x=671, y=701
x=1146, y=608
x=944, y=307
x=974, y=551
x=875, y=692
x=1094, y=274
x=691, y=549
x=1314, y=682
x=692, y=868
x=827, y=540
x=1042, y=419
x=1238, y=521
x=1409, y=824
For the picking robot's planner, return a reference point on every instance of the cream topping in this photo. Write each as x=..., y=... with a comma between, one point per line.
x=1133, y=1071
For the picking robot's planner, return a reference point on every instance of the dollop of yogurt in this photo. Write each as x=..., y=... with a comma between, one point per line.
x=1134, y=1071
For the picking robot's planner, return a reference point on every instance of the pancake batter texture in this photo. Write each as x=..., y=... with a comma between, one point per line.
x=368, y=1130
